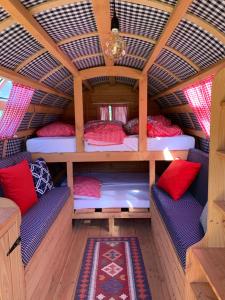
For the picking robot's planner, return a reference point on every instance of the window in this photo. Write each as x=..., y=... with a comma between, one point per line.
x=113, y=112
x=199, y=98
x=5, y=88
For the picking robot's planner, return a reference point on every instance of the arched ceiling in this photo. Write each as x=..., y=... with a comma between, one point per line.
x=51, y=41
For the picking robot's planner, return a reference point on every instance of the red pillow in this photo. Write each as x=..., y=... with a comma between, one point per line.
x=17, y=184
x=56, y=129
x=87, y=186
x=178, y=177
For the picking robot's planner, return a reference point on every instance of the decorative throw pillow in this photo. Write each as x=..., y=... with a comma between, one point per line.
x=177, y=178
x=18, y=185
x=87, y=186
x=204, y=216
x=41, y=176
x=56, y=129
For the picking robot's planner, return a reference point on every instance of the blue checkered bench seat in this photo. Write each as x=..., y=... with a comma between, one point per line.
x=182, y=218
x=37, y=221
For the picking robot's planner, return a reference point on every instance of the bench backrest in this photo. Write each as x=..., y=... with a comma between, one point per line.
x=199, y=188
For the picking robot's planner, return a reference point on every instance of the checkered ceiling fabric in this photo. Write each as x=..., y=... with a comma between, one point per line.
x=18, y=45
x=30, y=3
x=202, y=144
x=68, y=20
x=65, y=85
x=37, y=97
x=172, y=2
x=140, y=19
x=40, y=66
x=181, y=96
x=82, y=47
x=168, y=101
x=90, y=62
x=155, y=84
x=61, y=102
x=126, y=80
x=15, y=146
x=197, y=44
x=175, y=64
x=98, y=80
x=37, y=120
x=57, y=77
x=161, y=74
x=212, y=11
x=132, y=62
x=138, y=47
x=25, y=122
x=3, y=14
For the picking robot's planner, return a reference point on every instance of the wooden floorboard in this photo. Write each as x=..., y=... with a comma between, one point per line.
x=98, y=228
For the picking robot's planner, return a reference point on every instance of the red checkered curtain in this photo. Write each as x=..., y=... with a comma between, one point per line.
x=199, y=98
x=16, y=107
x=120, y=113
x=104, y=112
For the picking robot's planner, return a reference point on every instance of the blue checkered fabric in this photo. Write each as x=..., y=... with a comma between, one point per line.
x=41, y=176
x=37, y=221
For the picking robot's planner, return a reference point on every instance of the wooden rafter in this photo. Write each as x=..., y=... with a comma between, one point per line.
x=177, y=14
x=4, y=72
x=23, y=17
x=103, y=20
x=183, y=108
x=154, y=4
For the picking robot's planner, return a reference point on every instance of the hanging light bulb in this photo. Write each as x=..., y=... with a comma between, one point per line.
x=115, y=46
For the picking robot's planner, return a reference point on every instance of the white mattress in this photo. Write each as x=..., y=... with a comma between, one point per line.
x=119, y=190
x=67, y=144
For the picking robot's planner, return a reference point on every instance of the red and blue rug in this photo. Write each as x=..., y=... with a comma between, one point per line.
x=112, y=269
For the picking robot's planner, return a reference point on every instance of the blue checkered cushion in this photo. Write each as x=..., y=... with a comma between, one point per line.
x=41, y=176
x=37, y=221
x=182, y=220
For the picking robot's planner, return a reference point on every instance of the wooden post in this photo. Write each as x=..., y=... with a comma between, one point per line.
x=69, y=172
x=79, y=114
x=143, y=96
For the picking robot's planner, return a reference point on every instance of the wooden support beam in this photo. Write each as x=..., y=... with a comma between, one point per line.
x=103, y=20
x=25, y=18
x=79, y=113
x=194, y=132
x=184, y=108
x=212, y=70
x=143, y=102
x=24, y=133
x=4, y=72
x=177, y=14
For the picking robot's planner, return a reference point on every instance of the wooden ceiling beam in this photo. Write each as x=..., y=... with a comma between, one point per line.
x=22, y=16
x=31, y=83
x=200, y=76
x=154, y=4
x=103, y=20
x=177, y=14
x=183, y=108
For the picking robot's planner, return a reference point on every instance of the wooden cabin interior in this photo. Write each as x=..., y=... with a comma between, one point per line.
x=80, y=173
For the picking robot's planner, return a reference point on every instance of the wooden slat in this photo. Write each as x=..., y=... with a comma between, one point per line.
x=221, y=205
x=4, y=72
x=24, y=17
x=23, y=133
x=174, y=20
x=103, y=21
x=203, y=291
x=184, y=108
x=194, y=132
x=79, y=114
x=143, y=100
x=111, y=215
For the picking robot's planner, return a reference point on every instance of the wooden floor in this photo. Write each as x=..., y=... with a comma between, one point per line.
x=63, y=287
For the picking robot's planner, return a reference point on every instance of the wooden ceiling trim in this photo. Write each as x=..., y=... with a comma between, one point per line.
x=50, y=73
x=103, y=21
x=168, y=72
x=37, y=108
x=65, y=79
x=51, y=4
x=176, y=16
x=159, y=80
x=154, y=4
x=182, y=56
x=111, y=71
x=12, y=75
x=23, y=17
x=76, y=38
x=6, y=23
x=201, y=75
x=30, y=59
x=183, y=108
x=24, y=133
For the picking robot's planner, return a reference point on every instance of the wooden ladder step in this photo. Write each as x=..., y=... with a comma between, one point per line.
x=221, y=205
x=203, y=291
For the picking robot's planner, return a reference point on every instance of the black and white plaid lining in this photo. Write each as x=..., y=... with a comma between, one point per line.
x=82, y=47
x=174, y=117
x=16, y=46
x=138, y=47
x=197, y=44
x=30, y=3
x=186, y=120
x=25, y=122
x=140, y=19
x=156, y=84
x=56, y=77
x=14, y=146
x=202, y=144
x=89, y=62
x=212, y=11
x=126, y=80
x=3, y=14
x=68, y=20
x=194, y=119
x=49, y=100
x=173, y=100
x=38, y=120
x=172, y=2
x=49, y=118
x=175, y=64
x=98, y=80
x=181, y=96
x=61, y=102
x=132, y=62
x=40, y=66
x=65, y=85
x=166, y=78
x=37, y=96
x=162, y=102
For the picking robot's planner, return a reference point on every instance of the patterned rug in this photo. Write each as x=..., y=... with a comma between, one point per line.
x=112, y=269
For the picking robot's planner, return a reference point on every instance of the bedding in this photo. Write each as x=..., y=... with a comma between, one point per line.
x=56, y=129
x=130, y=143
x=86, y=186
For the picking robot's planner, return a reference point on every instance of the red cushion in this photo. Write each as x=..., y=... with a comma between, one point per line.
x=178, y=177
x=17, y=184
x=56, y=129
x=87, y=186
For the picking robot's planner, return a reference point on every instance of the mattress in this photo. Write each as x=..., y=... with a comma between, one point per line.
x=118, y=190
x=68, y=144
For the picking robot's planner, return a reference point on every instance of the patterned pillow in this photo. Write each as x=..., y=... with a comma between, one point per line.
x=41, y=176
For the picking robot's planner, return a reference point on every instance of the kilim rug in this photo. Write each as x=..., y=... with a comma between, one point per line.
x=112, y=269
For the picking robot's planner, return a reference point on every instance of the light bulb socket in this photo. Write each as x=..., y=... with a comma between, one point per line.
x=115, y=22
